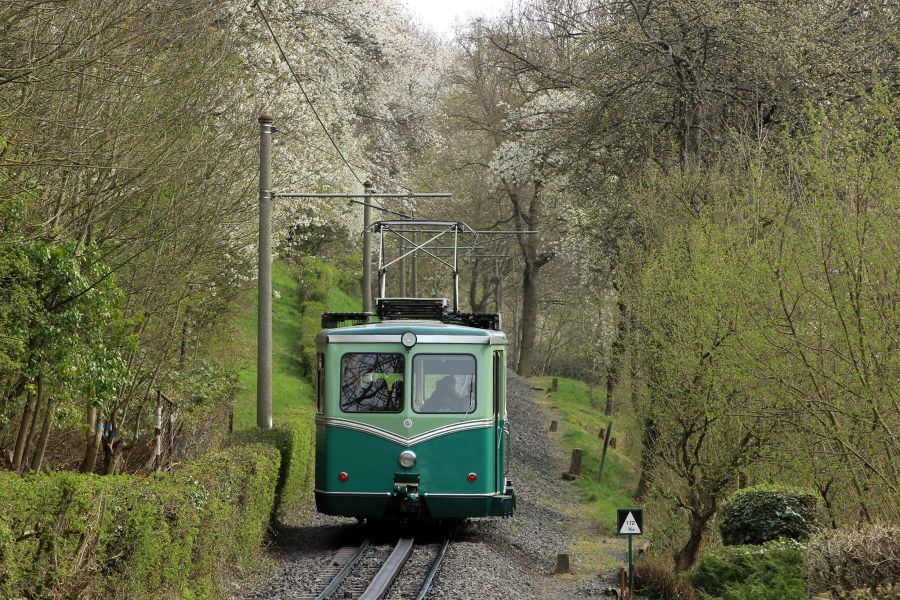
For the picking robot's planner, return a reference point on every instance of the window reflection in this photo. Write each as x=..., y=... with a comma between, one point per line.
x=372, y=382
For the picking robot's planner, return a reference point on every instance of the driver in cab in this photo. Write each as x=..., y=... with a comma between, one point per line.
x=445, y=398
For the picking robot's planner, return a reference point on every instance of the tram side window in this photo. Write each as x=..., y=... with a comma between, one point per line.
x=444, y=383
x=372, y=382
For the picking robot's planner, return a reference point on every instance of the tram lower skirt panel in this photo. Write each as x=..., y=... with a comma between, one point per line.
x=436, y=506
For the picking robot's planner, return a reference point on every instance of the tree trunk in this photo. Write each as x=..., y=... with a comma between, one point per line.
x=38, y=461
x=32, y=428
x=610, y=385
x=93, y=442
x=648, y=449
x=616, y=351
x=473, y=286
x=528, y=324
x=25, y=423
x=685, y=558
x=112, y=451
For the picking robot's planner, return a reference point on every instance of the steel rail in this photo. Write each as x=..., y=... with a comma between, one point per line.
x=435, y=566
x=389, y=570
x=341, y=575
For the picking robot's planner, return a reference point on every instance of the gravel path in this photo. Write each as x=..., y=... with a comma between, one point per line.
x=510, y=558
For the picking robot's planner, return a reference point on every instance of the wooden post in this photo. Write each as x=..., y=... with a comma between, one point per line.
x=173, y=413
x=553, y=426
x=562, y=564
x=555, y=385
x=575, y=465
x=603, y=457
x=231, y=421
x=623, y=583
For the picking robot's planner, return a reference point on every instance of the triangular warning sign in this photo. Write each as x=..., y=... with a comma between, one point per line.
x=630, y=526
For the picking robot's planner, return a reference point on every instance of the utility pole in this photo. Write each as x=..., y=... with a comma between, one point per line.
x=367, y=249
x=264, y=287
x=402, y=269
x=415, y=268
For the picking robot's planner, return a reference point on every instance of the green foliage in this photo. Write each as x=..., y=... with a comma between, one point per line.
x=62, y=321
x=765, y=318
x=657, y=581
x=69, y=535
x=294, y=436
x=205, y=386
x=865, y=556
x=770, y=572
x=762, y=514
x=323, y=288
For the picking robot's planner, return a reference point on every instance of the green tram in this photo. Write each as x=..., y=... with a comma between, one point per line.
x=411, y=414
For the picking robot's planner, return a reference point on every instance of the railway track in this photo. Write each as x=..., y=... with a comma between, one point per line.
x=372, y=572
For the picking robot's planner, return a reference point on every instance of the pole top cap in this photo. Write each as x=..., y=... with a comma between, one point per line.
x=264, y=118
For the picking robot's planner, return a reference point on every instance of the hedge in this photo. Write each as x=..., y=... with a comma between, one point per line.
x=843, y=560
x=294, y=437
x=69, y=535
x=762, y=514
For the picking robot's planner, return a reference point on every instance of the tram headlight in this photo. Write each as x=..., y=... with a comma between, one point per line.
x=407, y=459
x=408, y=339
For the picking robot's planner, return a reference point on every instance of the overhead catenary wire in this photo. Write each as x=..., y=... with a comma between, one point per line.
x=315, y=113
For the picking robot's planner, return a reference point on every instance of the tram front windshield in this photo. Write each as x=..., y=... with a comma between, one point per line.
x=372, y=382
x=444, y=383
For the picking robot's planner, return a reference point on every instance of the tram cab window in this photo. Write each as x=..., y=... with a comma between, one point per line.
x=444, y=383
x=372, y=382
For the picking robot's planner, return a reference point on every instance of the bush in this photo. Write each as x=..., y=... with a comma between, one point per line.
x=68, y=535
x=843, y=560
x=295, y=440
x=885, y=592
x=658, y=582
x=770, y=572
x=760, y=515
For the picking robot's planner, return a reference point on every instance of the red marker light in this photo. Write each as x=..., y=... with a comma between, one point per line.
x=342, y=476
x=472, y=477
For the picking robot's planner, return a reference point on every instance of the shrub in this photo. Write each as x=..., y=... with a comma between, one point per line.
x=295, y=439
x=658, y=582
x=770, y=572
x=760, y=515
x=236, y=495
x=843, y=560
x=885, y=592
x=68, y=535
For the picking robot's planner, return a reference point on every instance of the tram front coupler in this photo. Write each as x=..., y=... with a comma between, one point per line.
x=405, y=495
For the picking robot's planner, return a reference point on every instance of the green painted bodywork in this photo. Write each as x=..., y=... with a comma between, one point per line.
x=442, y=462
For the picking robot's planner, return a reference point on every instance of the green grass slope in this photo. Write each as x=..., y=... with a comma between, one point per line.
x=580, y=424
x=597, y=546
x=235, y=342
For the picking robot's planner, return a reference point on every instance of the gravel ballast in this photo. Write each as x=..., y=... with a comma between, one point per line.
x=510, y=558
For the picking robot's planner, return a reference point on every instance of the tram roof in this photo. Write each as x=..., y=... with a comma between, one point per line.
x=433, y=332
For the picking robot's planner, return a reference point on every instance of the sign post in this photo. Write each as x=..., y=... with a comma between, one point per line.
x=630, y=522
